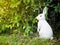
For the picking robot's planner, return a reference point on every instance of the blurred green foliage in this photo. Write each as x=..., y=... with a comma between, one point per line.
x=19, y=15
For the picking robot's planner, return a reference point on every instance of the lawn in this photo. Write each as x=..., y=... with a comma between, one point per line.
x=20, y=39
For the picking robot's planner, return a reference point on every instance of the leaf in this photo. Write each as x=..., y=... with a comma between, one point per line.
x=0, y=20
x=24, y=1
x=51, y=0
x=15, y=4
x=17, y=24
x=32, y=2
x=24, y=27
x=28, y=1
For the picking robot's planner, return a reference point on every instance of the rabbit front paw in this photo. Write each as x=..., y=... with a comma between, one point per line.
x=38, y=30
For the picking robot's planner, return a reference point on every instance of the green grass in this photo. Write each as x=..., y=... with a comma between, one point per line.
x=17, y=39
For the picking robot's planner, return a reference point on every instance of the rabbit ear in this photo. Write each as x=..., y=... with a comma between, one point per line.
x=45, y=10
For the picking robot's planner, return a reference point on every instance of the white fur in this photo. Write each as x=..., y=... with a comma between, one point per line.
x=44, y=29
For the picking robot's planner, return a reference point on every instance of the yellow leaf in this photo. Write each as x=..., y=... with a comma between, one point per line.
x=0, y=20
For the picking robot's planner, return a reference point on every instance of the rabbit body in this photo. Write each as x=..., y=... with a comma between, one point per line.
x=44, y=29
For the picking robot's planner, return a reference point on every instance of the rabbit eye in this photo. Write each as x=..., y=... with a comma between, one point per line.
x=40, y=15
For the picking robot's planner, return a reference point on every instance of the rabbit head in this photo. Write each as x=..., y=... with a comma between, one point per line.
x=42, y=15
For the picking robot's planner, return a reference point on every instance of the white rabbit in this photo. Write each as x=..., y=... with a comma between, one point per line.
x=44, y=29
